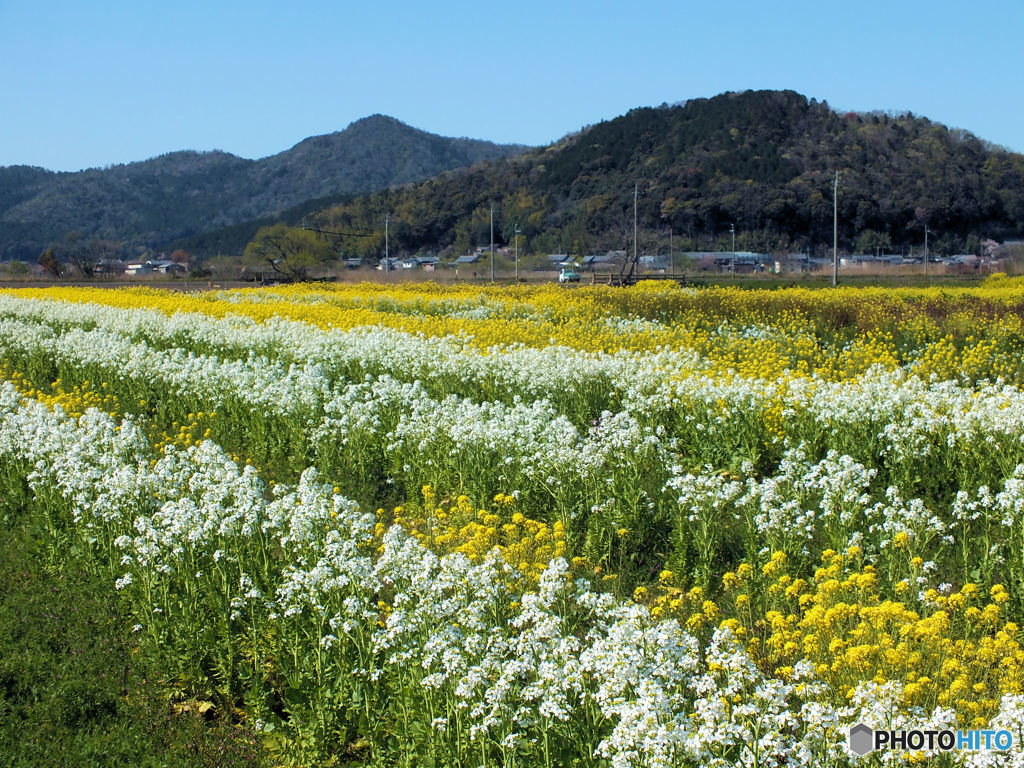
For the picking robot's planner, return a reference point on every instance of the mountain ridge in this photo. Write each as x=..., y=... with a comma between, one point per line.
x=762, y=162
x=177, y=194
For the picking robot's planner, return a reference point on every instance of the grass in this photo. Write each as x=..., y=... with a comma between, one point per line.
x=73, y=690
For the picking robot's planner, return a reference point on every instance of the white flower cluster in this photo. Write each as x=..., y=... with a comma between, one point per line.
x=283, y=589
x=890, y=420
x=447, y=364
x=194, y=532
x=885, y=437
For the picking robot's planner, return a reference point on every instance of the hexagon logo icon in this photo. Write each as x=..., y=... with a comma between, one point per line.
x=862, y=739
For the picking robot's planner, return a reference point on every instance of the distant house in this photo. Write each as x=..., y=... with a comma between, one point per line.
x=726, y=261
x=150, y=266
x=388, y=264
x=109, y=267
x=469, y=258
x=499, y=250
x=870, y=259
x=167, y=267
x=561, y=259
x=663, y=261
x=602, y=261
x=138, y=268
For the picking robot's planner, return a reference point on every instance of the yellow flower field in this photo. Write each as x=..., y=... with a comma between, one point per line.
x=507, y=508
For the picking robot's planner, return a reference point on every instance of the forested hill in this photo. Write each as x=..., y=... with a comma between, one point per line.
x=763, y=161
x=184, y=193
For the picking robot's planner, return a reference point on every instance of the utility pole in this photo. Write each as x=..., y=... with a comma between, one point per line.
x=926, y=251
x=732, y=229
x=636, y=189
x=517, y=250
x=671, y=252
x=835, y=231
x=492, y=242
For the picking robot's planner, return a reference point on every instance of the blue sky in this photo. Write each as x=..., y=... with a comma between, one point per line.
x=94, y=84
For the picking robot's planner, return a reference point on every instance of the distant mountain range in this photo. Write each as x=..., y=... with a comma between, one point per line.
x=761, y=162
x=180, y=194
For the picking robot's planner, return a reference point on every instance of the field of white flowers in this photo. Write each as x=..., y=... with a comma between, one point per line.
x=402, y=541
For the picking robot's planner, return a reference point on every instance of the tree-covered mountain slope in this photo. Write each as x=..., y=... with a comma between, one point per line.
x=176, y=195
x=763, y=162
